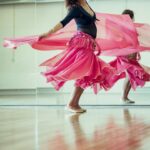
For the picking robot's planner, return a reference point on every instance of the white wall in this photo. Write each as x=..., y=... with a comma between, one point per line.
x=29, y=19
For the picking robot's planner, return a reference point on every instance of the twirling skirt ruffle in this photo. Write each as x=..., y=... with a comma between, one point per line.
x=138, y=74
x=79, y=62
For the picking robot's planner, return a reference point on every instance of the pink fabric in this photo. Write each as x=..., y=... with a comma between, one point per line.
x=80, y=63
x=138, y=74
x=116, y=36
x=143, y=31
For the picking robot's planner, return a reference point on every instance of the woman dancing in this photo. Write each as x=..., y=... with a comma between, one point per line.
x=79, y=62
x=136, y=75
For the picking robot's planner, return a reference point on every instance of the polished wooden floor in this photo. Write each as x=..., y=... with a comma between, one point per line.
x=51, y=128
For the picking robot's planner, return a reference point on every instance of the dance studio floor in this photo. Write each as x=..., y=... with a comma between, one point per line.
x=39, y=122
x=51, y=128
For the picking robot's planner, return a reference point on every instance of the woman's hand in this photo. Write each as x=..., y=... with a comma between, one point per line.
x=44, y=35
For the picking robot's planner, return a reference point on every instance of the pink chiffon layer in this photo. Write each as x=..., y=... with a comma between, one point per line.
x=117, y=36
x=137, y=73
x=80, y=63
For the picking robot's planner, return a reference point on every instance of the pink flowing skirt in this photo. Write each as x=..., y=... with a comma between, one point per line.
x=79, y=62
x=138, y=74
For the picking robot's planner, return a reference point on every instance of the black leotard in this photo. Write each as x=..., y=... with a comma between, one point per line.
x=85, y=22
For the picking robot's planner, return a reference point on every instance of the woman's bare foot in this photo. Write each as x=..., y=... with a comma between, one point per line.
x=73, y=105
x=127, y=100
x=74, y=109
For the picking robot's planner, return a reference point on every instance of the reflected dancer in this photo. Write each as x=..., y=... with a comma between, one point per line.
x=129, y=135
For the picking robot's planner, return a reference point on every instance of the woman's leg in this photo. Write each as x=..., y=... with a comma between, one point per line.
x=74, y=102
x=126, y=90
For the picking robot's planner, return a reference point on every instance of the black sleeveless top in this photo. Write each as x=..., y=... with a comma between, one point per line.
x=85, y=22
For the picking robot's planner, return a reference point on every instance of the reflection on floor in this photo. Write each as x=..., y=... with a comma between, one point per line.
x=51, y=128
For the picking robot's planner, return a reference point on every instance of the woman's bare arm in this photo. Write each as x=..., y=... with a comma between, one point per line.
x=73, y=13
x=53, y=30
x=132, y=56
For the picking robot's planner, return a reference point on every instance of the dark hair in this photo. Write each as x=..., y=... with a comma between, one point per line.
x=70, y=3
x=129, y=12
